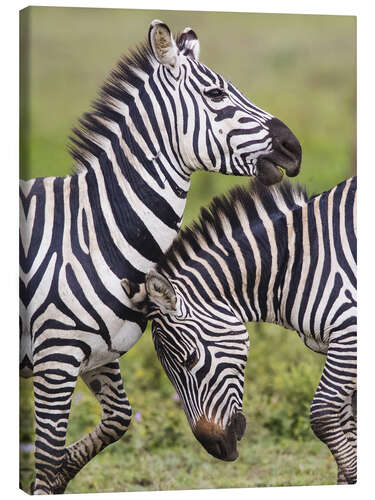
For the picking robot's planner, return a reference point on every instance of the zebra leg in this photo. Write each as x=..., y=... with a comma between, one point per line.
x=53, y=389
x=329, y=414
x=348, y=422
x=106, y=384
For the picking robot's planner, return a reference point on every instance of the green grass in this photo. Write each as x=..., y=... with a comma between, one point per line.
x=302, y=70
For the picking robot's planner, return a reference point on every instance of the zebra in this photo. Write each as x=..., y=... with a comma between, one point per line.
x=259, y=254
x=160, y=116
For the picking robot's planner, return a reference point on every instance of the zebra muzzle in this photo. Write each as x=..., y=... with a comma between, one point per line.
x=218, y=442
x=286, y=154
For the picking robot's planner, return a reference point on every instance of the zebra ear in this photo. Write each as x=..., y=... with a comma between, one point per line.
x=136, y=293
x=188, y=43
x=161, y=292
x=163, y=45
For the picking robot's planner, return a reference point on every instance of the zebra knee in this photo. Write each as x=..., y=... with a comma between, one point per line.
x=123, y=420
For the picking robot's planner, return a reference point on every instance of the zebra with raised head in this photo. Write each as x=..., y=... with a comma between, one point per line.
x=259, y=255
x=161, y=115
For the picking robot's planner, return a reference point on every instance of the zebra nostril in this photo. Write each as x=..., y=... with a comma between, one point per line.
x=239, y=425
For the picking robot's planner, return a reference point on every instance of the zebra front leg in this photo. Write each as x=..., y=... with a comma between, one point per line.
x=329, y=410
x=106, y=385
x=54, y=384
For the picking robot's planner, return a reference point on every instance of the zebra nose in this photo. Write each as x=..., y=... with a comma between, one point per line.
x=215, y=444
x=287, y=151
x=218, y=442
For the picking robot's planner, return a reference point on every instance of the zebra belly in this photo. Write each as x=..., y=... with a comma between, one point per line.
x=335, y=310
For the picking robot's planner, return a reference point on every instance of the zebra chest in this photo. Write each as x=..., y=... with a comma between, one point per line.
x=94, y=317
x=121, y=341
x=114, y=336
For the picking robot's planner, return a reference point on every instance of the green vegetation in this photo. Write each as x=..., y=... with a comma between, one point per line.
x=302, y=70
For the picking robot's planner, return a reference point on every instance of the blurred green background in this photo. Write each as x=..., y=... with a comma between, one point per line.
x=301, y=69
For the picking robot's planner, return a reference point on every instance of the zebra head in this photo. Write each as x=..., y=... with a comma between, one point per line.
x=204, y=353
x=216, y=127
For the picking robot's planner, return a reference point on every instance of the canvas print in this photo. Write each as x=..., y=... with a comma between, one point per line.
x=187, y=250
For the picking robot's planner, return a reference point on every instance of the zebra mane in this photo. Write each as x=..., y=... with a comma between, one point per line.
x=119, y=86
x=124, y=77
x=223, y=210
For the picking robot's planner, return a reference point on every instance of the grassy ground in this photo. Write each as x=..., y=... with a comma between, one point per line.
x=302, y=70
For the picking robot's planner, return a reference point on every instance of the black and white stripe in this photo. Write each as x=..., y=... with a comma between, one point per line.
x=160, y=116
x=260, y=255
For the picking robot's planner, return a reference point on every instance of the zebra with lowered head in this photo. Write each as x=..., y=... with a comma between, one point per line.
x=161, y=115
x=259, y=255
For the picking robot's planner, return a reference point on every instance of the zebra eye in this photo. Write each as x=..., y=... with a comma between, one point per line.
x=216, y=94
x=191, y=360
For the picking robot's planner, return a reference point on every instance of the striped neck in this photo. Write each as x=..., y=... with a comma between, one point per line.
x=135, y=186
x=127, y=156
x=134, y=165
x=242, y=252
x=259, y=265
x=266, y=254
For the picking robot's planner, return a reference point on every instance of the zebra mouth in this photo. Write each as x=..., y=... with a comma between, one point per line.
x=270, y=169
x=268, y=172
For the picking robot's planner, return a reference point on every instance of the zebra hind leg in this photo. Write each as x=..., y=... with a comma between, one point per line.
x=331, y=413
x=348, y=422
x=106, y=385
